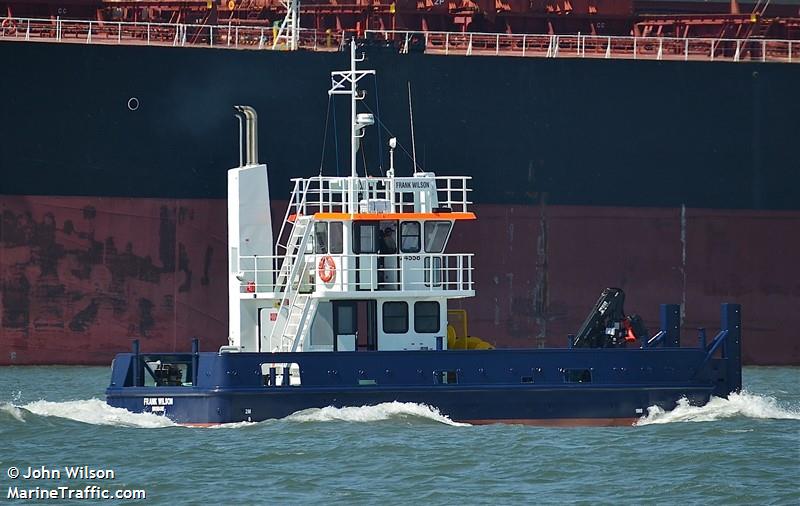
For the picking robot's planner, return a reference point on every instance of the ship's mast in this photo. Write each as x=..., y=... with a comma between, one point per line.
x=339, y=86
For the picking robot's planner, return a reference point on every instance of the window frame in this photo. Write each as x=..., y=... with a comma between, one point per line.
x=357, y=227
x=321, y=248
x=402, y=236
x=383, y=316
x=446, y=236
x=339, y=250
x=438, y=316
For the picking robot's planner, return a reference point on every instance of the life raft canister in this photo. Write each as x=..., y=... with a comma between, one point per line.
x=326, y=269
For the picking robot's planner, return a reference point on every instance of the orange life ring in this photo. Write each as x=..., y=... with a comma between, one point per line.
x=326, y=269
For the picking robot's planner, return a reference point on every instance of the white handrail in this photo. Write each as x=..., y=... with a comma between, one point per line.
x=595, y=46
x=445, y=272
x=329, y=194
x=450, y=43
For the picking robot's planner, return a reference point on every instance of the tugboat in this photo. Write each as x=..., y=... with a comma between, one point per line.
x=348, y=306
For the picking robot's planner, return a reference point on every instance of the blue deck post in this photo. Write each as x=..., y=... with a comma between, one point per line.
x=671, y=325
x=137, y=369
x=570, y=340
x=195, y=359
x=732, y=323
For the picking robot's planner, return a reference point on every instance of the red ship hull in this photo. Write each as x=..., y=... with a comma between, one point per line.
x=83, y=276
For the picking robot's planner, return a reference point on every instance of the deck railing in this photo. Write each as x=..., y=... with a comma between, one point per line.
x=448, y=43
x=431, y=272
x=321, y=194
x=594, y=46
x=159, y=34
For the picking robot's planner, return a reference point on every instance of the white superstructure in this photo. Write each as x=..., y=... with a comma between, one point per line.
x=359, y=262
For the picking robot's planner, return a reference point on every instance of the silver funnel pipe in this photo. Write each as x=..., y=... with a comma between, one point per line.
x=248, y=147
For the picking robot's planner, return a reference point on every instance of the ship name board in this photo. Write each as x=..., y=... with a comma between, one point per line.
x=413, y=185
x=158, y=401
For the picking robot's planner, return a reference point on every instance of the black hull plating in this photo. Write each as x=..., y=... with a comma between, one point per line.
x=587, y=132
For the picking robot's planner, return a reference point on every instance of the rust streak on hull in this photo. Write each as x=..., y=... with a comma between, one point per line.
x=83, y=276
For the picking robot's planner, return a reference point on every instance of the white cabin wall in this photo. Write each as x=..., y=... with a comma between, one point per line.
x=413, y=340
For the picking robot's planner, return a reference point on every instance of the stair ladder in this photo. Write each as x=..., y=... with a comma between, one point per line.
x=289, y=31
x=292, y=323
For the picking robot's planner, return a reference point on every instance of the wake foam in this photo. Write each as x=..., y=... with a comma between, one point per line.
x=742, y=404
x=12, y=410
x=92, y=411
x=384, y=411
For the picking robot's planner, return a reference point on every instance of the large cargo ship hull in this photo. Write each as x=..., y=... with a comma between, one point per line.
x=675, y=181
x=82, y=276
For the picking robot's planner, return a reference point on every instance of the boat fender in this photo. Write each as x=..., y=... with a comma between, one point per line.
x=326, y=268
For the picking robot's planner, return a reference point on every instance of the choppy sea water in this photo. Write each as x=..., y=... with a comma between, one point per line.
x=745, y=450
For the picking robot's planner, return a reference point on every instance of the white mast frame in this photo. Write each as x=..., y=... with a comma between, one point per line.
x=345, y=82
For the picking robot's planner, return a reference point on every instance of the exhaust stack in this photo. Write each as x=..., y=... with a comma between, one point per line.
x=250, y=238
x=248, y=135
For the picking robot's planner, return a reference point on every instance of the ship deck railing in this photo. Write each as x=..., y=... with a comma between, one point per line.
x=595, y=46
x=234, y=36
x=231, y=35
x=323, y=194
x=436, y=273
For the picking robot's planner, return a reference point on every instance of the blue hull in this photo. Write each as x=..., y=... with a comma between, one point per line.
x=600, y=386
x=476, y=404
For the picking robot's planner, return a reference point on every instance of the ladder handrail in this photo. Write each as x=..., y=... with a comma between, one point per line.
x=299, y=206
x=287, y=288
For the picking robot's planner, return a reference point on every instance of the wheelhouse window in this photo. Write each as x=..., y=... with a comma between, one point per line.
x=328, y=237
x=336, y=237
x=365, y=238
x=436, y=233
x=410, y=237
x=395, y=317
x=320, y=237
x=426, y=317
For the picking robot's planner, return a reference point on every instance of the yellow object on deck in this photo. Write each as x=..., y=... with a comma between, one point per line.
x=458, y=337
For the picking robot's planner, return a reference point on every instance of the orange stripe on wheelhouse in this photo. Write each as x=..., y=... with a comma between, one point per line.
x=394, y=216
